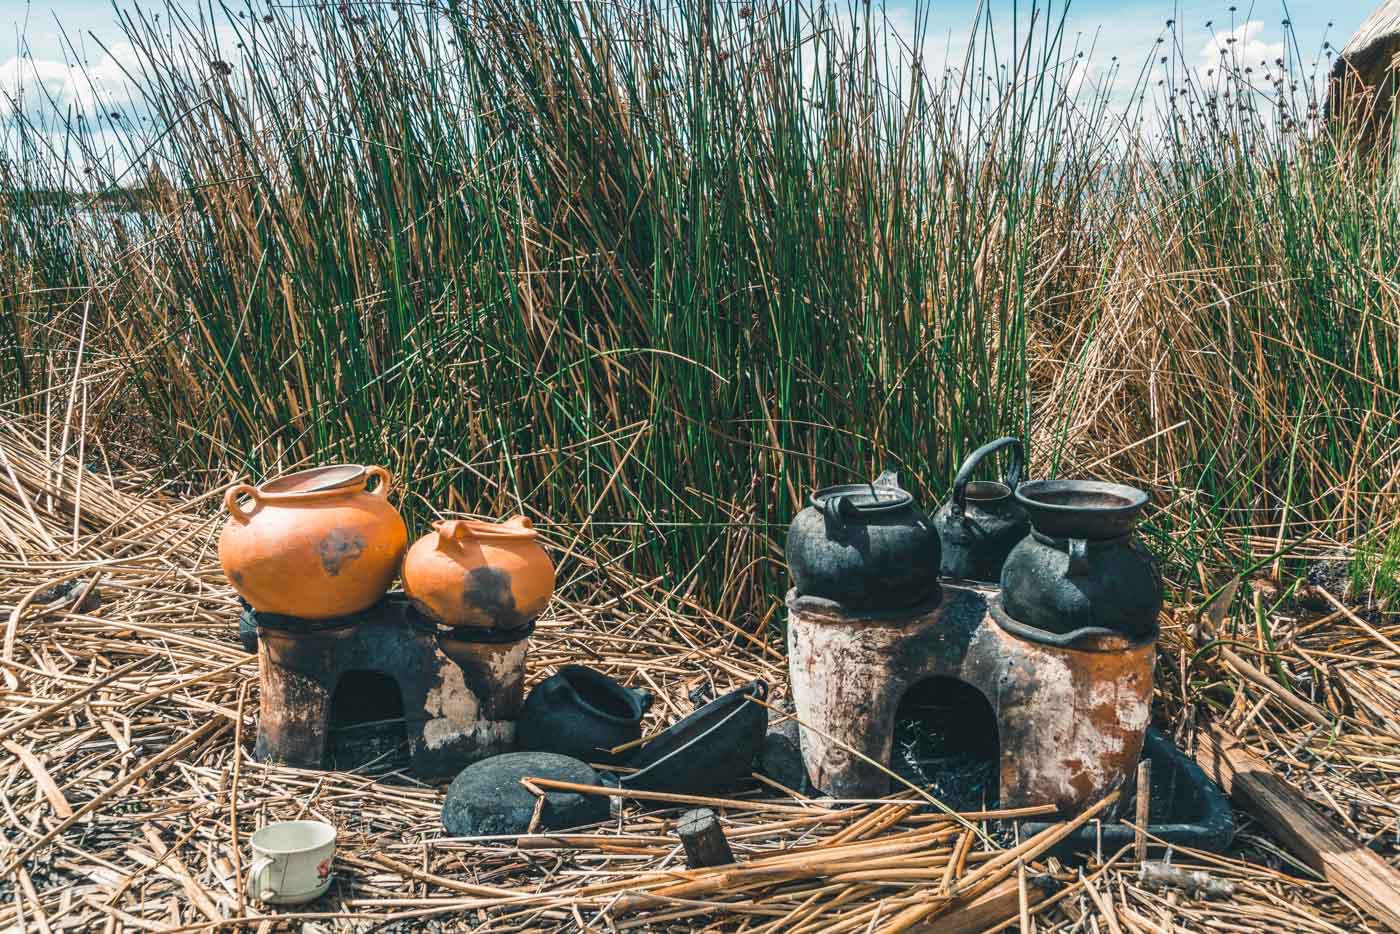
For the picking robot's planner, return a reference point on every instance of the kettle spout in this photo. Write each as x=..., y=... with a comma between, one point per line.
x=888, y=480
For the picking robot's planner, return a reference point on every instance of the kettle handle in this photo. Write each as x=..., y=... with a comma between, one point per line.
x=1013, y=474
x=834, y=510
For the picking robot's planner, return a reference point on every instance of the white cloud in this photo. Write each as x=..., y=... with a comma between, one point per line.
x=43, y=86
x=1241, y=47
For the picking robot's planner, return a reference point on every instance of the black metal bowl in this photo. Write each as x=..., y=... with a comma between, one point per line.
x=707, y=752
x=1081, y=508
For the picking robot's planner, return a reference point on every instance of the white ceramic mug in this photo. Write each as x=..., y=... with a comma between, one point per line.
x=291, y=862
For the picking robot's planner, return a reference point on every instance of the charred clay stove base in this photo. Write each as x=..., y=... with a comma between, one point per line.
x=1070, y=719
x=461, y=691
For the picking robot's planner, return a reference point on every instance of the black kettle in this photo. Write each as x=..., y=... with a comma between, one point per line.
x=982, y=522
x=865, y=546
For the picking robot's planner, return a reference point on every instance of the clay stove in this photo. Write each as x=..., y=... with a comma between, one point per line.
x=460, y=690
x=1070, y=714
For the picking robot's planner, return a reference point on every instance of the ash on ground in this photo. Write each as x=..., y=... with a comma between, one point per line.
x=941, y=752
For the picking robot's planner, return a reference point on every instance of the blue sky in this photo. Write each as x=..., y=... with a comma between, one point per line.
x=1124, y=28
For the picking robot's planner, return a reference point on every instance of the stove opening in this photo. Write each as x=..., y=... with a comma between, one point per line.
x=945, y=740
x=367, y=727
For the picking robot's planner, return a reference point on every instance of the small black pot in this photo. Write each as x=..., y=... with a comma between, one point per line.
x=581, y=713
x=982, y=521
x=707, y=752
x=864, y=545
x=1081, y=566
x=1082, y=509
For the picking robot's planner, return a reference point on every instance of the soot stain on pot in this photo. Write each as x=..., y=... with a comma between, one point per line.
x=338, y=549
x=488, y=590
x=483, y=679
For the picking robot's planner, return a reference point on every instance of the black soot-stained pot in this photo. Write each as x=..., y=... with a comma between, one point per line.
x=1082, y=567
x=982, y=522
x=864, y=545
x=707, y=752
x=581, y=713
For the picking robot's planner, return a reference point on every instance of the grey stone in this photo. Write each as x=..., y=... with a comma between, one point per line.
x=486, y=798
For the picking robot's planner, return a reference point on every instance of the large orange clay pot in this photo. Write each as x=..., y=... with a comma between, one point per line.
x=316, y=544
x=468, y=573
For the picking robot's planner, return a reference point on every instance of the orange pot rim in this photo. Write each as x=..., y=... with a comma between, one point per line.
x=328, y=477
x=516, y=528
x=352, y=482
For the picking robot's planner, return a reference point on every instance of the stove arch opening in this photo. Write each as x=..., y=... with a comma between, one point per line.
x=367, y=726
x=946, y=740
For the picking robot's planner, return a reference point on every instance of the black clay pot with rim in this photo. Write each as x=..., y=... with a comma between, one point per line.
x=982, y=521
x=581, y=713
x=708, y=752
x=865, y=546
x=1082, y=567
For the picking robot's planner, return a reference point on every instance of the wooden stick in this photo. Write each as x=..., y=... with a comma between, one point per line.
x=1342, y=608
x=703, y=839
x=1370, y=882
x=1144, y=805
x=1195, y=882
x=1258, y=677
x=1023, y=899
x=1105, y=907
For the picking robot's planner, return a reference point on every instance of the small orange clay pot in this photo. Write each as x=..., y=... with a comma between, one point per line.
x=316, y=544
x=468, y=573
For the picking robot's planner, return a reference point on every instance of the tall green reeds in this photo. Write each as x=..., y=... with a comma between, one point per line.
x=650, y=271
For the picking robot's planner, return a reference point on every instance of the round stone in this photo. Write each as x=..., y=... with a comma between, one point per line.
x=486, y=798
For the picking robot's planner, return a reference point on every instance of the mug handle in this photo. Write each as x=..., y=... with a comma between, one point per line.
x=1013, y=475
x=231, y=501
x=1078, y=557
x=259, y=885
x=385, y=479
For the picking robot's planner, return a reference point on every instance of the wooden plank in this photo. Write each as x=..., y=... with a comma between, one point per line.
x=1365, y=878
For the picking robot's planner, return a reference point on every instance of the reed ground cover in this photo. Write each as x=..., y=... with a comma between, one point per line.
x=649, y=271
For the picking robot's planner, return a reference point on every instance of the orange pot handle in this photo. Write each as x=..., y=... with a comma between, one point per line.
x=231, y=501
x=520, y=521
x=385, y=479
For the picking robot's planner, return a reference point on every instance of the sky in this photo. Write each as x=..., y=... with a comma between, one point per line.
x=1127, y=29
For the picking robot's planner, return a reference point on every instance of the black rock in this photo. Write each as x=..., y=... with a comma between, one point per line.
x=486, y=798
x=781, y=760
x=781, y=756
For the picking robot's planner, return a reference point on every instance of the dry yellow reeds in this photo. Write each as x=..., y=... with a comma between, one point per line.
x=127, y=788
